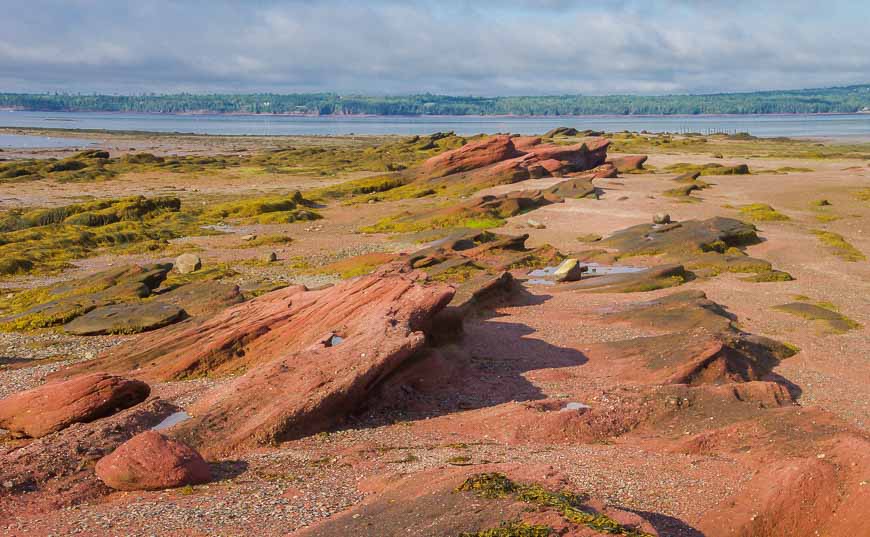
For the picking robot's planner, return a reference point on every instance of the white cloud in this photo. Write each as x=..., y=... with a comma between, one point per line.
x=481, y=47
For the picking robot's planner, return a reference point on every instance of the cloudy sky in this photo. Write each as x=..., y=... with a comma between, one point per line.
x=472, y=47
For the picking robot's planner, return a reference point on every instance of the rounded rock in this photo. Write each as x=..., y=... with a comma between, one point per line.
x=187, y=263
x=662, y=218
x=151, y=461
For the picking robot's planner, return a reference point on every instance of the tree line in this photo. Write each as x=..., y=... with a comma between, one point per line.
x=847, y=99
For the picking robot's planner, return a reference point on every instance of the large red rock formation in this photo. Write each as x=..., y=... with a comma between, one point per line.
x=274, y=325
x=150, y=461
x=367, y=328
x=471, y=156
x=58, y=405
x=502, y=159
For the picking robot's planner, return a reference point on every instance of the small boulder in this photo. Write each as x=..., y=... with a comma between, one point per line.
x=55, y=406
x=150, y=461
x=187, y=263
x=661, y=218
x=534, y=224
x=248, y=238
x=270, y=257
x=569, y=271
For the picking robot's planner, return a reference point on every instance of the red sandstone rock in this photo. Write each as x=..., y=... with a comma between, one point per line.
x=471, y=156
x=628, y=163
x=57, y=470
x=505, y=160
x=274, y=325
x=150, y=461
x=57, y=405
x=368, y=327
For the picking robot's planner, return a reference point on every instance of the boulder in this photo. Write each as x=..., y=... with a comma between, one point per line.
x=628, y=163
x=150, y=461
x=65, y=302
x=569, y=271
x=57, y=405
x=534, y=224
x=187, y=263
x=270, y=257
x=661, y=218
x=131, y=318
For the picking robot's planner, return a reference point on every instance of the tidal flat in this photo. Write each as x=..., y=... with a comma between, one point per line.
x=353, y=329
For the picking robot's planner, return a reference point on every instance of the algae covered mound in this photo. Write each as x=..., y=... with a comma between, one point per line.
x=48, y=239
x=325, y=159
x=264, y=210
x=824, y=314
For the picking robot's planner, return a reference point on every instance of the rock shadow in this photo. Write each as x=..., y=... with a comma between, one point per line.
x=485, y=368
x=667, y=526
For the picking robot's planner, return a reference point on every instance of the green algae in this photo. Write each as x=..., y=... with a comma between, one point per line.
x=762, y=212
x=708, y=169
x=822, y=312
x=839, y=246
x=571, y=506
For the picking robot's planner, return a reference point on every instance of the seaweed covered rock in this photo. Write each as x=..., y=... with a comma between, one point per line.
x=45, y=307
x=150, y=461
x=58, y=405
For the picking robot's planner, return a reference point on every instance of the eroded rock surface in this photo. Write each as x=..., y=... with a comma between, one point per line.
x=57, y=405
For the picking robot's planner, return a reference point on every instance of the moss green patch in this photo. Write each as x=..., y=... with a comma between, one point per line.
x=711, y=168
x=355, y=266
x=863, y=194
x=589, y=237
x=761, y=212
x=825, y=313
x=47, y=240
x=512, y=529
x=839, y=245
x=769, y=276
x=569, y=505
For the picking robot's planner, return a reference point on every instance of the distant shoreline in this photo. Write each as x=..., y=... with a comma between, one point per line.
x=428, y=116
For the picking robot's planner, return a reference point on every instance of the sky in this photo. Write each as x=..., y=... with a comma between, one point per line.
x=473, y=47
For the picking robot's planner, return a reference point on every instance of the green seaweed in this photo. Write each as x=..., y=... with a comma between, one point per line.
x=571, y=506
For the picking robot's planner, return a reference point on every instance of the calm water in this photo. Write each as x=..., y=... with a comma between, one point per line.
x=839, y=125
x=18, y=141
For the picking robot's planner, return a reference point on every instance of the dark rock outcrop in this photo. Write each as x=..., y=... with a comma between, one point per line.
x=130, y=318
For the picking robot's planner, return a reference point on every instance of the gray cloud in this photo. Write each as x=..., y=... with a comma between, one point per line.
x=460, y=47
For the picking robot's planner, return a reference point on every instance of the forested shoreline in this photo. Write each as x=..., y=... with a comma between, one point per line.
x=847, y=99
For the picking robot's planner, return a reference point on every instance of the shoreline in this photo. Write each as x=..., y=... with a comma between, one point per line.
x=432, y=116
